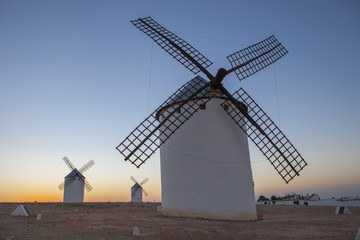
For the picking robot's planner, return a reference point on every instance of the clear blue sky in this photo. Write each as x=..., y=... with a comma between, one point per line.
x=76, y=77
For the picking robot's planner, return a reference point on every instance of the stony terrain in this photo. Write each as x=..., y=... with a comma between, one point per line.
x=116, y=221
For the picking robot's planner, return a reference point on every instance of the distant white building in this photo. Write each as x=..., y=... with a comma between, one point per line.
x=75, y=182
x=136, y=193
x=74, y=187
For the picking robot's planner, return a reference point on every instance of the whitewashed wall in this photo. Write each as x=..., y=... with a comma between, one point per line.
x=74, y=192
x=136, y=194
x=205, y=169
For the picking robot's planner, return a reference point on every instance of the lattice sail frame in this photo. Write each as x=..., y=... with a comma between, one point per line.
x=147, y=138
x=163, y=37
x=270, y=47
x=140, y=145
x=284, y=157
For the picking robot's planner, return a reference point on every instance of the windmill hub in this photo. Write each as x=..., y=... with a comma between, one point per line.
x=219, y=78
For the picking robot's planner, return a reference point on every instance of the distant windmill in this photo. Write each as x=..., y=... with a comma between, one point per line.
x=137, y=190
x=202, y=131
x=75, y=182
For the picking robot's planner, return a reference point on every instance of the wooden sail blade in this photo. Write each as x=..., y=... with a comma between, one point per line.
x=68, y=163
x=68, y=181
x=61, y=186
x=87, y=185
x=252, y=59
x=87, y=166
x=266, y=136
x=179, y=49
x=147, y=138
x=144, y=181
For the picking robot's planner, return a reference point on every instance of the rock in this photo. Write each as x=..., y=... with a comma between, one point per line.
x=342, y=210
x=21, y=210
x=136, y=231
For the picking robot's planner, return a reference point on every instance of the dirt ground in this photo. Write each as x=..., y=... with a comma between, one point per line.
x=116, y=221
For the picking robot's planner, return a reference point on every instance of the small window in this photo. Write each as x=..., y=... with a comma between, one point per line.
x=226, y=107
x=203, y=106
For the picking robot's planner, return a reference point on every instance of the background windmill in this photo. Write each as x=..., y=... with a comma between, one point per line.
x=217, y=163
x=137, y=190
x=75, y=182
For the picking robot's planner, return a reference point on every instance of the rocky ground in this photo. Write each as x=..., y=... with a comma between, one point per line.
x=117, y=220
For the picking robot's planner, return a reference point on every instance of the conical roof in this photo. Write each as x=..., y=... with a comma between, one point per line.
x=75, y=173
x=187, y=90
x=190, y=88
x=136, y=186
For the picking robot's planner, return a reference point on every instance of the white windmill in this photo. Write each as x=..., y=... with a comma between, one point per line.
x=202, y=133
x=75, y=182
x=137, y=190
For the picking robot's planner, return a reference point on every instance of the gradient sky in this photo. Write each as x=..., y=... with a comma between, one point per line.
x=76, y=77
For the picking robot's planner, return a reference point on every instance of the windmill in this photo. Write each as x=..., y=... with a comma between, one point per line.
x=137, y=190
x=205, y=162
x=75, y=182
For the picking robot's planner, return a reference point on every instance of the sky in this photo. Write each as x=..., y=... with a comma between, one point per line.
x=76, y=77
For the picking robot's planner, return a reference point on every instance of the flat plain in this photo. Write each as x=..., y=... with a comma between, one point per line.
x=116, y=220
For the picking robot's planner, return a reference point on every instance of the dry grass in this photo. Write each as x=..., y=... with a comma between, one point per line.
x=116, y=221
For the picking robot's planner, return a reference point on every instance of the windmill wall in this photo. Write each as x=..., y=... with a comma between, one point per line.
x=205, y=168
x=74, y=191
x=136, y=194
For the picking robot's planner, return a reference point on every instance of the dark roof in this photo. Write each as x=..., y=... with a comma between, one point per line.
x=75, y=173
x=186, y=91
x=190, y=89
x=136, y=185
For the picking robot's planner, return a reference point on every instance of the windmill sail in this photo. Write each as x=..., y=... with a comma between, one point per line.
x=144, y=181
x=87, y=185
x=271, y=141
x=179, y=49
x=61, y=186
x=256, y=57
x=145, y=193
x=68, y=181
x=144, y=140
x=86, y=166
x=68, y=163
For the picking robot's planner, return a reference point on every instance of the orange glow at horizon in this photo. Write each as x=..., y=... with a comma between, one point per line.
x=51, y=194
x=122, y=193
x=115, y=187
